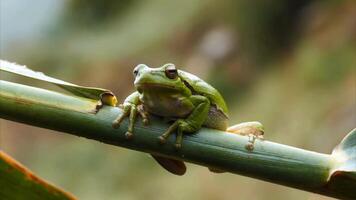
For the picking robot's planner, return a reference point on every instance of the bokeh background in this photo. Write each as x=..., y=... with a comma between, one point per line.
x=289, y=64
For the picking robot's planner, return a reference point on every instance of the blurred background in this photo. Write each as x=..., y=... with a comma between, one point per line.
x=288, y=64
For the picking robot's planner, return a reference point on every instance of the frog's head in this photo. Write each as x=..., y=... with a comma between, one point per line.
x=165, y=77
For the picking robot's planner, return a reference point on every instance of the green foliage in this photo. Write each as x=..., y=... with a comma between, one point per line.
x=326, y=66
x=267, y=27
x=92, y=14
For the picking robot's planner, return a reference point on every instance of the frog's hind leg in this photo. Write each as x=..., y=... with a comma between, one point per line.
x=190, y=124
x=254, y=130
x=168, y=132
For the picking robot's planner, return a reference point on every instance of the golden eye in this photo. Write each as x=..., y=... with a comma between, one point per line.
x=171, y=71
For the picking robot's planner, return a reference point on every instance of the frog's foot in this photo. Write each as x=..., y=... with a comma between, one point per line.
x=168, y=132
x=181, y=126
x=128, y=110
x=125, y=112
x=254, y=130
x=251, y=141
x=143, y=114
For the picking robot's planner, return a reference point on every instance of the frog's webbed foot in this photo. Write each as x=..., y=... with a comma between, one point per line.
x=254, y=130
x=130, y=110
x=180, y=126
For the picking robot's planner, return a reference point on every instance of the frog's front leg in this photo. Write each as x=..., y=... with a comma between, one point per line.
x=131, y=107
x=190, y=124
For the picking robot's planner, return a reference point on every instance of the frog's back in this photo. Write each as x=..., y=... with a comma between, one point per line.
x=218, y=113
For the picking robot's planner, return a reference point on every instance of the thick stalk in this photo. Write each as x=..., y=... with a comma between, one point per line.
x=268, y=161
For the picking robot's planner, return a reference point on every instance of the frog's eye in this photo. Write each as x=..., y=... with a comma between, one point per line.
x=171, y=72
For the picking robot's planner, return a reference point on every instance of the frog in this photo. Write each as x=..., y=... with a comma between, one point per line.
x=184, y=99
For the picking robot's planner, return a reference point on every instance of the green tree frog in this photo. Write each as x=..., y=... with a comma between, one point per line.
x=183, y=98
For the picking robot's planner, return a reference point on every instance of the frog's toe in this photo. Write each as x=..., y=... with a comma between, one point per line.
x=115, y=125
x=249, y=146
x=169, y=131
x=125, y=112
x=128, y=135
x=145, y=122
x=161, y=139
x=143, y=114
x=178, y=146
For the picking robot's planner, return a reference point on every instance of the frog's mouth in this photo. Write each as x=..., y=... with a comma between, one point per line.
x=143, y=86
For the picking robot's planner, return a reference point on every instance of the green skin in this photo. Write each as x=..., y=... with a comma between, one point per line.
x=196, y=103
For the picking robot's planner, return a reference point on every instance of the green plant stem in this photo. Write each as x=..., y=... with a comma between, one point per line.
x=269, y=161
